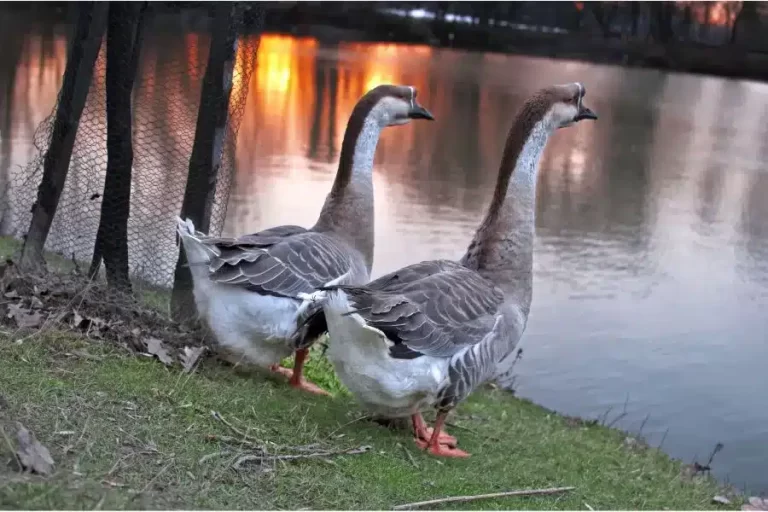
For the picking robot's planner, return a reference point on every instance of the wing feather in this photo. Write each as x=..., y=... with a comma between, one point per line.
x=434, y=307
x=282, y=261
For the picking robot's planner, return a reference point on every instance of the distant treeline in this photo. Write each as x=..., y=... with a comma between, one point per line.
x=725, y=38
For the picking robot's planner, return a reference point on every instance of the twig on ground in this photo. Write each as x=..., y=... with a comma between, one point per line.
x=234, y=440
x=588, y=506
x=234, y=429
x=152, y=480
x=361, y=418
x=71, y=447
x=117, y=464
x=464, y=499
x=255, y=446
x=207, y=457
x=270, y=457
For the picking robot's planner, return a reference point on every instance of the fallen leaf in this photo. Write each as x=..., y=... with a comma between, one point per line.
x=33, y=455
x=722, y=500
x=155, y=347
x=36, y=303
x=13, y=294
x=77, y=320
x=190, y=356
x=23, y=316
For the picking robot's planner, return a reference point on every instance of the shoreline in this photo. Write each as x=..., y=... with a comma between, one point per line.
x=492, y=423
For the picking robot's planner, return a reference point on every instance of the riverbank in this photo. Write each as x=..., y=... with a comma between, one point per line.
x=129, y=432
x=130, y=423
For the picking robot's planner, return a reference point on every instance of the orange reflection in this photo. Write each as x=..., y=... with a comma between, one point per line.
x=380, y=63
x=278, y=112
x=713, y=13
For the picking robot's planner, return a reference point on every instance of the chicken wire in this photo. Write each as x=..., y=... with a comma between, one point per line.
x=166, y=98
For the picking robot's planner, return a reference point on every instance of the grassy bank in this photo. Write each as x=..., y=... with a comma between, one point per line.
x=126, y=431
x=129, y=432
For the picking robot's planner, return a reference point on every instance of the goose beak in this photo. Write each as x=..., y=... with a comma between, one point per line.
x=585, y=113
x=419, y=112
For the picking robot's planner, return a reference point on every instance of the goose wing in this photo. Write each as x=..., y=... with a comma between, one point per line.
x=282, y=261
x=433, y=308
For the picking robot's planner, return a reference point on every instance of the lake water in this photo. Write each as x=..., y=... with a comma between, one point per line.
x=651, y=257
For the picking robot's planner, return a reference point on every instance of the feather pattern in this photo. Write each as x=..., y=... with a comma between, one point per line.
x=435, y=308
x=285, y=261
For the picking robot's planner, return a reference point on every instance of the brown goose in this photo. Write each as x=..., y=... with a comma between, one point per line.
x=252, y=290
x=428, y=334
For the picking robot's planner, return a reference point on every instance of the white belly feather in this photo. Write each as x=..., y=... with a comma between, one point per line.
x=258, y=326
x=360, y=356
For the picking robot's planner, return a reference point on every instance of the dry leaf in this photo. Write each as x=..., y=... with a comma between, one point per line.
x=77, y=320
x=722, y=500
x=190, y=356
x=23, y=316
x=13, y=294
x=36, y=303
x=33, y=455
x=155, y=347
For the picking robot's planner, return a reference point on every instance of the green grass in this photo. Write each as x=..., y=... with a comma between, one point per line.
x=128, y=432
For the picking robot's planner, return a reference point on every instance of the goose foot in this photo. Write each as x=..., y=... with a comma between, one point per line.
x=434, y=446
x=295, y=378
x=442, y=450
x=281, y=370
x=309, y=387
x=422, y=432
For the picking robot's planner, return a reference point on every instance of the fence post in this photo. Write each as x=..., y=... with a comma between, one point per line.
x=74, y=92
x=208, y=146
x=124, y=33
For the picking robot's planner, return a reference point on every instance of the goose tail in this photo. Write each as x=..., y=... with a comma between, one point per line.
x=199, y=254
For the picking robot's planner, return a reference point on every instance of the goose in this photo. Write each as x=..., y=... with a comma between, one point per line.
x=427, y=334
x=252, y=290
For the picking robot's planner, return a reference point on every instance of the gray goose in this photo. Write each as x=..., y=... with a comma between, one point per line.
x=252, y=291
x=428, y=334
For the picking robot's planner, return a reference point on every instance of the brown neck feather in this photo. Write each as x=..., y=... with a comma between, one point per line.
x=348, y=208
x=503, y=244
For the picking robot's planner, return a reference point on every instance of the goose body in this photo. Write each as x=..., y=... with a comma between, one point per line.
x=399, y=342
x=428, y=334
x=253, y=291
x=249, y=289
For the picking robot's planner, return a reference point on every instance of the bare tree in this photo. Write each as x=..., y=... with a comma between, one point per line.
x=123, y=47
x=83, y=52
x=207, y=150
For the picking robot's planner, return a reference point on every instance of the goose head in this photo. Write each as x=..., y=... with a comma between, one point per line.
x=566, y=104
x=394, y=105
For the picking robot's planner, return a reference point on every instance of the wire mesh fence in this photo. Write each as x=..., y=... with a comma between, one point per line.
x=166, y=100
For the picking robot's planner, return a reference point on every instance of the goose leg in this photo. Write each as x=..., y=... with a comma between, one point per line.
x=423, y=432
x=433, y=445
x=298, y=381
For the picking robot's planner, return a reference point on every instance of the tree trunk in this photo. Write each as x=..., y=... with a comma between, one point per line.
x=74, y=92
x=207, y=149
x=747, y=13
x=123, y=48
